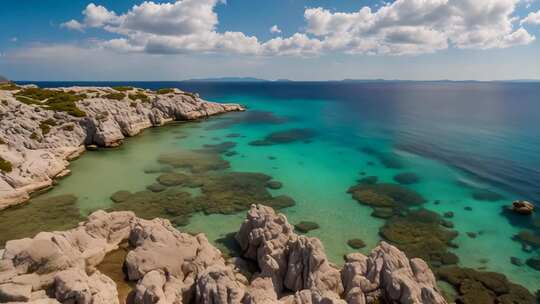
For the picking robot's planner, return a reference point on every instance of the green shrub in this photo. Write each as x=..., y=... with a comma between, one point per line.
x=34, y=136
x=46, y=125
x=28, y=101
x=10, y=86
x=53, y=100
x=5, y=165
x=139, y=96
x=68, y=127
x=45, y=128
x=115, y=96
x=122, y=89
x=165, y=91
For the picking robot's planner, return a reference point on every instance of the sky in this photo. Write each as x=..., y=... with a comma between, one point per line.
x=124, y=40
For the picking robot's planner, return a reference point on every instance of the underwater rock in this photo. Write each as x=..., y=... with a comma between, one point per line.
x=479, y=287
x=389, y=160
x=281, y=201
x=154, y=170
x=467, y=208
x=156, y=187
x=180, y=179
x=381, y=212
x=120, y=196
x=407, y=178
x=172, y=204
x=448, y=214
x=368, y=180
x=534, y=263
x=233, y=135
x=285, y=137
x=55, y=212
x=248, y=117
x=232, y=192
x=356, y=243
x=306, y=226
x=231, y=153
x=221, y=147
x=199, y=161
x=486, y=195
x=528, y=238
x=274, y=185
x=385, y=195
x=447, y=224
x=516, y=261
x=92, y=148
x=522, y=207
x=472, y=235
x=419, y=234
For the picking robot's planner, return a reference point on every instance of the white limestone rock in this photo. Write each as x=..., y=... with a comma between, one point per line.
x=38, y=158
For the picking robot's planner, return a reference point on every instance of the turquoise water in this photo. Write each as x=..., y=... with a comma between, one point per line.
x=481, y=135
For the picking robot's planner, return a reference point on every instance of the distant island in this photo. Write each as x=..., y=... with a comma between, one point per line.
x=227, y=79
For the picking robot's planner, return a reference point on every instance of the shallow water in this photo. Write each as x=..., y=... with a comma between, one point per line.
x=450, y=134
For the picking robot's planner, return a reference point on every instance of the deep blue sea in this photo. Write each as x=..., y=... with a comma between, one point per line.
x=457, y=137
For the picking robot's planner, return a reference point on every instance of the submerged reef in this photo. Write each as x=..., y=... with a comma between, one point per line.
x=248, y=118
x=56, y=213
x=285, y=137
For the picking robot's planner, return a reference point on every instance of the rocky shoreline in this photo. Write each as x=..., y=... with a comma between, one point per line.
x=168, y=266
x=41, y=130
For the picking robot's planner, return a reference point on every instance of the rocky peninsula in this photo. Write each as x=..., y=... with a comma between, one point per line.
x=41, y=130
x=167, y=266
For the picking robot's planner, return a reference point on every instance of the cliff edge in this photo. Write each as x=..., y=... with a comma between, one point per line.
x=42, y=129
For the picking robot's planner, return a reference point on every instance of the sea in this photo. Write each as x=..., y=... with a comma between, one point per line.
x=472, y=148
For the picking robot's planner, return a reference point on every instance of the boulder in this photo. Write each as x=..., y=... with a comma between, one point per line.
x=523, y=207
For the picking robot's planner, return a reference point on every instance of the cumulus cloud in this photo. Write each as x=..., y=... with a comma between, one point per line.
x=73, y=25
x=398, y=28
x=532, y=18
x=275, y=29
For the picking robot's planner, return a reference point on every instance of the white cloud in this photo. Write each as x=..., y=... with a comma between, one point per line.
x=73, y=25
x=532, y=18
x=419, y=26
x=398, y=28
x=14, y=39
x=275, y=29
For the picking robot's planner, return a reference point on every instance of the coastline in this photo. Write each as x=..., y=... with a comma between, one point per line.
x=43, y=129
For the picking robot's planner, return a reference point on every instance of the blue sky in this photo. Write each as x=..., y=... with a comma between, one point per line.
x=310, y=40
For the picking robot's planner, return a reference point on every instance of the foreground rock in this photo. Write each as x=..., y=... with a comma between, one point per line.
x=523, y=207
x=173, y=267
x=42, y=129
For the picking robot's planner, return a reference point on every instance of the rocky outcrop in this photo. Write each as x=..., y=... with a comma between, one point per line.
x=173, y=267
x=523, y=207
x=298, y=263
x=37, y=142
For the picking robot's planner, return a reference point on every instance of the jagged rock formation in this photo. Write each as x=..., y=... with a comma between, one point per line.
x=37, y=142
x=173, y=267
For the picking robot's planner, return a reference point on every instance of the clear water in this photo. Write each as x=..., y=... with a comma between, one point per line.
x=484, y=134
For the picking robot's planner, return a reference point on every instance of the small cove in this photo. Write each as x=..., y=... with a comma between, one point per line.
x=316, y=171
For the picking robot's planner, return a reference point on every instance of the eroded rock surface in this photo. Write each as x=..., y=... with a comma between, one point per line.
x=38, y=137
x=168, y=266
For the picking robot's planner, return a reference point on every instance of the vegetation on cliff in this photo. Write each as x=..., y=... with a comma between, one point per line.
x=52, y=99
x=5, y=166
